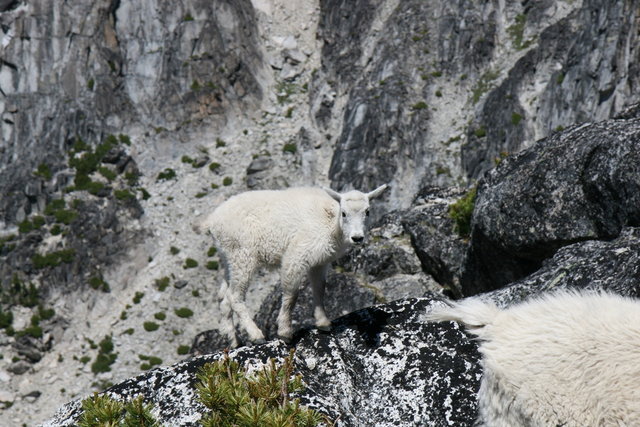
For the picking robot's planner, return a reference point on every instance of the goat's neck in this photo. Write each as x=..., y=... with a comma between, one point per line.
x=340, y=241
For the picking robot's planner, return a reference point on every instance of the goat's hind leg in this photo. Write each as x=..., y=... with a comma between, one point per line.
x=239, y=271
x=227, y=327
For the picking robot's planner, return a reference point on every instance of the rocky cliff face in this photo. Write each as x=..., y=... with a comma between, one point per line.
x=124, y=122
x=437, y=91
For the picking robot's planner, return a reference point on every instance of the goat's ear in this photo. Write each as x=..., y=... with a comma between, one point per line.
x=334, y=194
x=377, y=192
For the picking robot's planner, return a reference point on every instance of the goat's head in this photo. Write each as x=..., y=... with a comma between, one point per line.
x=354, y=210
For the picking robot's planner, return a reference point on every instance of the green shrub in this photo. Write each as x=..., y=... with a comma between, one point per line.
x=124, y=139
x=227, y=181
x=212, y=251
x=105, y=358
x=124, y=195
x=290, y=148
x=515, y=118
x=150, y=362
x=462, y=211
x=289, y=113
x=236, y=399
x=160, y=315
x=46, y=313
x=6, y=319
x=107, y=173
x=145, y=194
x=99, y=411
x=53, y=206
x=137, y=414
x=25, y=226
x=19, y=293
x=166, y=174
x=85, y=161
x=132, y=178
x=184, y=312
x=162, y=283
x=419, y=106
x=212, y=265
x=481, y=132
x=53, y=259
x=183, y=349
x=174, y=251
x=150, y=326
x=98, y=283
x=138, y=297
x=34, y=331
x=103, y=411
x=214, y=166
x=43, y=171
x=190, y=263
x=65, y=216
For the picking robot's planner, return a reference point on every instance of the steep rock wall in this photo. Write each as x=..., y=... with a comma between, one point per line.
x=92, y=68
x=435, y=92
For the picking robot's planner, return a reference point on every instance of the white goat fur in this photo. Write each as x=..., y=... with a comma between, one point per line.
x=301, y=230
x=568, y=358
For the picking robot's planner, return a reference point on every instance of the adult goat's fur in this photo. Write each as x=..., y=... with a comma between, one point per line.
x=563, y=359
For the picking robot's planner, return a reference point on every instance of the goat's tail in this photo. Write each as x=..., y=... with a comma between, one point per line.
x=472, y=312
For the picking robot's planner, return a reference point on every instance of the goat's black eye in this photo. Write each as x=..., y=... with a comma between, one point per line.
x=367, y=212
x=344, y=214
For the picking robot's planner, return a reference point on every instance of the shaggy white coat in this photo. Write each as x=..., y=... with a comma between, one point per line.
x=300, y=230
x=565, y=359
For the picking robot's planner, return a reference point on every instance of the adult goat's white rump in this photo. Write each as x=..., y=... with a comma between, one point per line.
x=300, y=230
x=567, y=358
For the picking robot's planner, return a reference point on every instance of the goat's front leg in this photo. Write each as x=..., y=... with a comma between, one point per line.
x=291, y=279
x=317, y=277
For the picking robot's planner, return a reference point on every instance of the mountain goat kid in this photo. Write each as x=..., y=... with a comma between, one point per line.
x=564, y=359
x=301, y=230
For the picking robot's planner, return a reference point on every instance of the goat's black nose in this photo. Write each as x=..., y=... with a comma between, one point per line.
x=357, y=239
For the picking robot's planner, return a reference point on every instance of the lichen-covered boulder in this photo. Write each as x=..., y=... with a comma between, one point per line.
x=579, y=184
x=612, y=266
x=381, y=366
